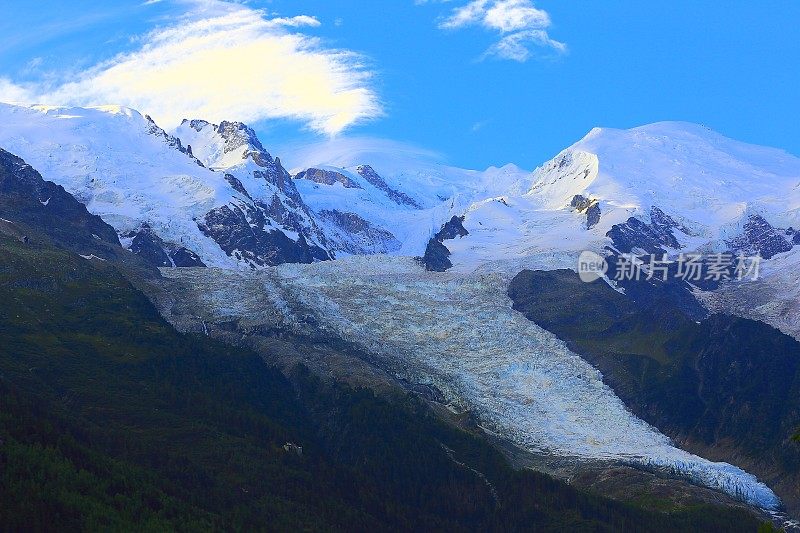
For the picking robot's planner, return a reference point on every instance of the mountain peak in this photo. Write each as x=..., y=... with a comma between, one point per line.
x=223, y=145
x=687, y=170
x=238, y=134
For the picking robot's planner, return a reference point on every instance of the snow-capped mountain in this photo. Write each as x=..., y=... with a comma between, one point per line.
x=397, y=195
x=211, y=194
x=165, y=203
x=275, y=205
x=613, y=187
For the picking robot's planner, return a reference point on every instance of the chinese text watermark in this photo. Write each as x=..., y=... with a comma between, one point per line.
x=690, y=267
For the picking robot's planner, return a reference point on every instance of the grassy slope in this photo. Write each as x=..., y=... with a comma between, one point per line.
x=111, y=420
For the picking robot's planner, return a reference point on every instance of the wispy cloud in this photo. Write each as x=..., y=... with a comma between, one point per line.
x=224, y=61
x=521, y=26
x=519, y=46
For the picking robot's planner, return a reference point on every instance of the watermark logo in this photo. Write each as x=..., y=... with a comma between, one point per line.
x=591, y=266
x=687, y=267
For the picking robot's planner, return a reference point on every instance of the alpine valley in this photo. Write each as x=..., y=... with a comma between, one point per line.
x=199, y=333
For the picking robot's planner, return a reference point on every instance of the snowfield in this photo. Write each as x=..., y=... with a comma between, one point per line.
x=706, y=182
x=460, y=334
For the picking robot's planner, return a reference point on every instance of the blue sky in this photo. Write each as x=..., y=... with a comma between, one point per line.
x=509, y=81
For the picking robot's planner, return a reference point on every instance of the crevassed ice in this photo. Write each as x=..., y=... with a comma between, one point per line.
x=461, y=334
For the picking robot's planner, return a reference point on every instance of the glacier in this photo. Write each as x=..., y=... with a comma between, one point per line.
x=459, y=333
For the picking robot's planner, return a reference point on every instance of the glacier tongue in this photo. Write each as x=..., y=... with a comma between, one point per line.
x=459, y=333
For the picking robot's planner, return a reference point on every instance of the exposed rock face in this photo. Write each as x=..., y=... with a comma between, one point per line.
x=237, y=185
x=327, y=177
x=26, y=198
x=652, y=238
x=400, y=198
x=150, y=247
x=759, y=237
x=634, y=237
x=256, y=222
x=247, y=228
x=354, y=235
x=590, y=207
x=437, y=255
x=275, y=174
x=245, y=234
x=451, y=229
x=289, y=211
x=580, y=202
x=183, y=257
x=235, y=134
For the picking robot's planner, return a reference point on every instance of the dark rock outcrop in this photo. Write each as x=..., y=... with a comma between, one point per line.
x=278, y=176
x=237, y=186
x=590, y=207
x=451, y=229
x=374, y=179
x=148, y=246
x=238, y=134
x=183, y=257
x=652, y=238
x=760, y=238
x=592, y=215
x=437, y=255
x=153, y=250
x=244, y=233
x=256, y=220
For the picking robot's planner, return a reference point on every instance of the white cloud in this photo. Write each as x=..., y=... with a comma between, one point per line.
x=513, y=15
x=519, y=22
x=345, y=151
x=11, y=92
x=296, y=22
x=517, y=46
x=224, y=61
